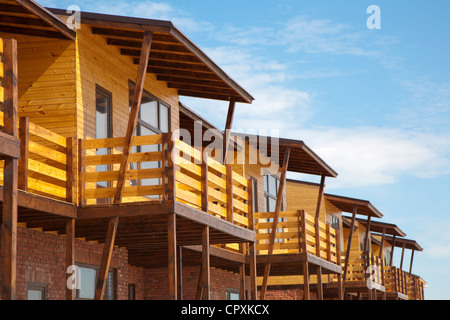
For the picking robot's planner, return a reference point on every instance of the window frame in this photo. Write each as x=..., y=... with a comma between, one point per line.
x=38, y=286
x=112, y=271
x=229, y=291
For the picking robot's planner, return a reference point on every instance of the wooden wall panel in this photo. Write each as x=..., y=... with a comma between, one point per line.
x=47, y=82
x=101, y=64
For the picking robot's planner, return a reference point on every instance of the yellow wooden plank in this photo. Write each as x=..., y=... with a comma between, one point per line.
x=130, y=175
x=127, y=192
x=47, y=135
x=46, y=152
x=116, y=158
x=45, y=169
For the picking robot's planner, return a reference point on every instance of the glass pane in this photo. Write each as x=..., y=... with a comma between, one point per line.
x=163, y=118
x=109, y=288
x=233, y=296
x=87, y=290
x=102, y=114
x=272, y=204
x=149, y=113
x=266, y=184
x=272, y=185
x=35, y=295
x=149, y=165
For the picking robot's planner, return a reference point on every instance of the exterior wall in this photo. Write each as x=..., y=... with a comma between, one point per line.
x=41, y=259
x=98, y=63
x=46, y=83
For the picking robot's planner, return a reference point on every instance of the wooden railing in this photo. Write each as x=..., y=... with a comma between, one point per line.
x=45, y=165
x=396, y=280
x=297, y=232
x=415, y=287
x=198, y=180
x=366, y=266
x=99, y=164
x=206, y=184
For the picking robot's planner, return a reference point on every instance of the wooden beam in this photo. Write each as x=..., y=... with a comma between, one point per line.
x=411, y=263
x=367, y=242
x=392, y=249
x=320, y=196
x=284, y=168
x=71, y=169
x=306, y=292
x=70, y=255
x=403, y=254
x=227, y=131
x=24, y=136
x=229, y=192
x=106, y=258
x=10, y=171
x=172, y=255
x=134, y=114
x=251, y=245
x=319, y=284
x=206, y=283
x=350, y=236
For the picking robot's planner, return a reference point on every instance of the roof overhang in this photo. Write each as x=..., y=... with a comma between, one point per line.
x=174, y=58
x=346, y=204
x=406, y=243
x=379, y=227
x=302, y=159
x=29, y=18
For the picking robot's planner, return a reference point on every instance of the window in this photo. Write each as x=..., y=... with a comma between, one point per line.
x=103, y=128
x=153, y=119
x=334, y=222
x=387, y=257
x=131, y=291
x=88, y=277
x=233, y=294
x=271, y=185
x=36, y=291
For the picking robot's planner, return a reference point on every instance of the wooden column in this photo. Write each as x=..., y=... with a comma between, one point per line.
x=70, y=254
x=273, y=234
x=180, y=273
x=106, y=258
x=24, y=136
x=306, y=293
x=392, y=251
x=229, y=192
x=319, y=198
x=206, y=283
x=349, y=244
x=367, y=242
x=411, y=264
x=172, y=255
x=319, y=284
x=339, y=276
x=71, y=171
x=10, y=171
x=403, y=254
x=251, y=245
x=228, y=126
x=134, y=114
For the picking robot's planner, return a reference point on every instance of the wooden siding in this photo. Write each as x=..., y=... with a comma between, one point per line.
x=47, y=82
x=100, y=64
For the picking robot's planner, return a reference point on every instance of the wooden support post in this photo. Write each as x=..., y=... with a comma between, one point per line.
x=367, y=242
x=180, y=273
x=306, y=293
x=403, y=254
x=242, y=286
x=392, y=251
x=320, y=196
x=206, y=264
x=172, y=255
x=134, y=114
x=204, y=181
x=24, y=137
x=170, y=173
x=319, y=284
x=106, y=258
x=71, y=172
x=228, y=126
x=273, y=234
x=251, y=245
x=70, y=256
x=10, y=171
x=350, y=236
x=339, y=262
x=81, y=170
x=229, y=191
x=411, y=264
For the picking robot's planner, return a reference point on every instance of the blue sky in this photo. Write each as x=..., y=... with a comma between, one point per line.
x=374, y=104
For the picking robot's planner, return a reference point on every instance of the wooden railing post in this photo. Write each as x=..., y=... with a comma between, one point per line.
x=251, y=245
x=24, y=137
x=170, y=172
x=229, y=185
x=164, y=146
x=71, y=172
x=205, y=184
x=81, y=170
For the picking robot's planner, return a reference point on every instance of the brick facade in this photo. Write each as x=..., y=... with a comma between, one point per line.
x=41, y=259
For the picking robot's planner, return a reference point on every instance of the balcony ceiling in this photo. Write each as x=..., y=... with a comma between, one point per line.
x=345, y=204
x=29, y=18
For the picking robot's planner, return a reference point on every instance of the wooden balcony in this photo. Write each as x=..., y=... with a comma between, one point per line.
x=162, y=170
x=297, y=233
x=396, y=283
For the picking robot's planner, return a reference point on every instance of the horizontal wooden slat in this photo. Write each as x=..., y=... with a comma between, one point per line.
x=48, y=135
x=98, y=193
x=46, y=152
x=45, y=169
x=116, y=158
x=130, y=175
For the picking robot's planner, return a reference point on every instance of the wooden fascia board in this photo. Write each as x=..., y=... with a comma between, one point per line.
x=48, y=17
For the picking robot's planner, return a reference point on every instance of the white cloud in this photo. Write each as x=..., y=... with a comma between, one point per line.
x=369, y=156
